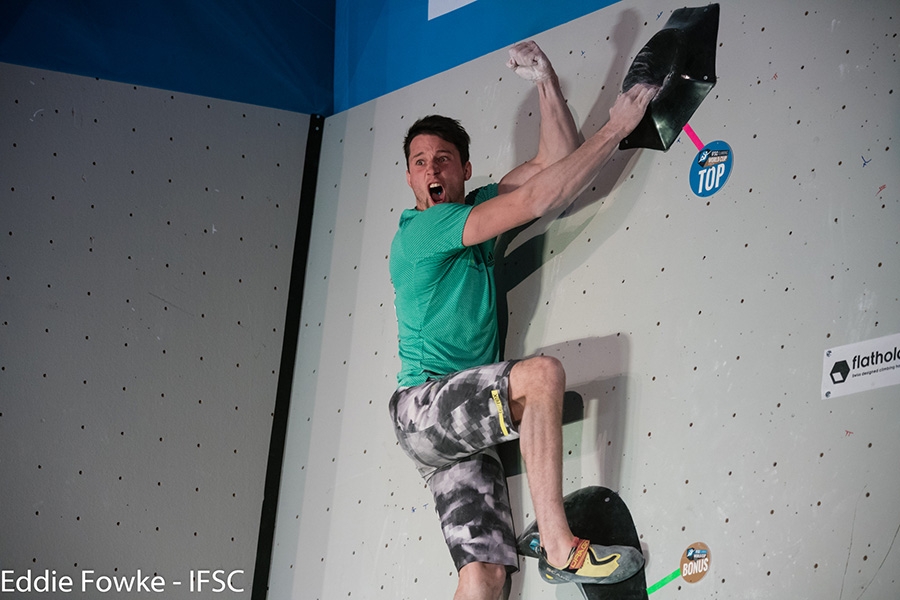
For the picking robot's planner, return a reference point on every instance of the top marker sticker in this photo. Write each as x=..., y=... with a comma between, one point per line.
x=711, y=168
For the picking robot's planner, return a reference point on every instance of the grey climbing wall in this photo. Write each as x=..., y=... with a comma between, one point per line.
x=145, y=256
x=695, y=328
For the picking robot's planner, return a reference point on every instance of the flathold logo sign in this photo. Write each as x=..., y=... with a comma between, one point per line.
x=862, y=366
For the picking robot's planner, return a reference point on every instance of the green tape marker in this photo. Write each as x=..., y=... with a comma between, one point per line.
x=667, y=579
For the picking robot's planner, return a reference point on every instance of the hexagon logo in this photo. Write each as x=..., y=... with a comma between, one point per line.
x=839, y=372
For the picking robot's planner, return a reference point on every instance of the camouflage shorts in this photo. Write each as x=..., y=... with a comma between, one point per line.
x=449, y=427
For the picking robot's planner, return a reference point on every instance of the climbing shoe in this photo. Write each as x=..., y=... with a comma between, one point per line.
x=593, y=563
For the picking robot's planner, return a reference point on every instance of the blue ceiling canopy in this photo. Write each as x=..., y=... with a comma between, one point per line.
x=315, y=57
x=274, y=53
x=384, y=45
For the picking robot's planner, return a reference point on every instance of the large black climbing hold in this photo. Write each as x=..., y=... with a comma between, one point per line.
x=598, y=514
x=681, y=59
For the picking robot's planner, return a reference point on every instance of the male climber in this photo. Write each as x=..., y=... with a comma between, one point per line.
x=455, y=401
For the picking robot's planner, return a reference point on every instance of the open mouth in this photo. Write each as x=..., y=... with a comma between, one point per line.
x=436, y=191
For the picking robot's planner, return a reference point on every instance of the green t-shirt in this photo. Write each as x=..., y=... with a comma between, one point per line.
x=444, y=292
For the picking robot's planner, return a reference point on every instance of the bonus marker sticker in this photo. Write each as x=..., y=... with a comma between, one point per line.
x=695, y=562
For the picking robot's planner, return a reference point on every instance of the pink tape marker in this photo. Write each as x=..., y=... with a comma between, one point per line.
x=694, y=138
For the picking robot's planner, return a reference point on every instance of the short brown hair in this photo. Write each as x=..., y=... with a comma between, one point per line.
x=449, y=130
